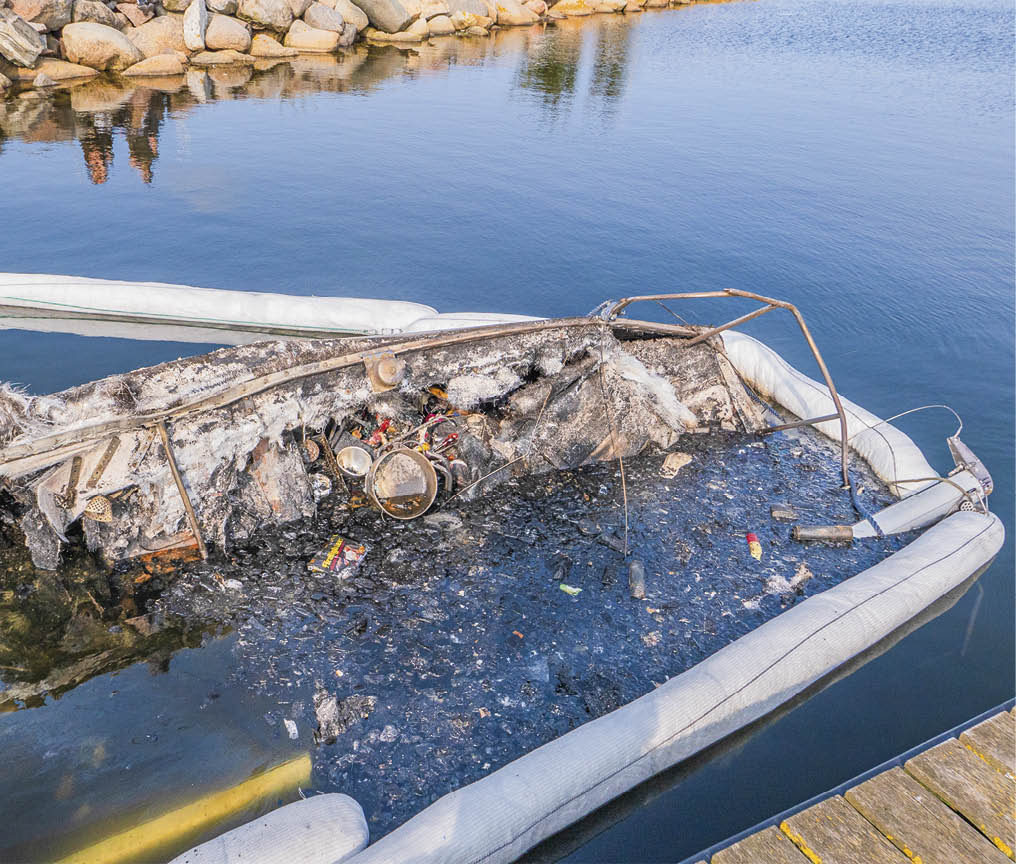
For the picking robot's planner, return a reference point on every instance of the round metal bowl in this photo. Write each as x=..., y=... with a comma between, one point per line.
x=402, y=482
x=354, y=461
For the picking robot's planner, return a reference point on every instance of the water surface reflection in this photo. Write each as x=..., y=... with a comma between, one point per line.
x=101, y=112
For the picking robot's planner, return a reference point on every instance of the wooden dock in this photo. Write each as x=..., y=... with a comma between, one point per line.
x=953, y=802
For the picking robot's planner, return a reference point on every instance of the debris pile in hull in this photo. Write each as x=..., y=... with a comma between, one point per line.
x=254, y=442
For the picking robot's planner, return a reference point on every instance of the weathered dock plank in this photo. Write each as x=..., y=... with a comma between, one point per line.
x=954, y=803
x=918, y=823
x=994, y=740
x=968, y=784
x=833, y=832
x=766, y=847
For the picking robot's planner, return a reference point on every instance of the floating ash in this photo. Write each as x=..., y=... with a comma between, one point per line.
x=453, y=649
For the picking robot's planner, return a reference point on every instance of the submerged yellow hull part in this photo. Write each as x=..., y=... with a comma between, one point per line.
x=173, y=830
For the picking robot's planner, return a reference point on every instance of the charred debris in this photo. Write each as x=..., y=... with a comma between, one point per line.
x=217, y=448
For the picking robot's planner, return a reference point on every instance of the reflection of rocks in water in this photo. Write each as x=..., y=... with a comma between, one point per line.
x=551, y=67
x=58, y=629
x=102, y=112
x=454, y=649
x=610, y=61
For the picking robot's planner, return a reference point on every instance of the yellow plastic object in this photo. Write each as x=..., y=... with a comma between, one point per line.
x=183, y=824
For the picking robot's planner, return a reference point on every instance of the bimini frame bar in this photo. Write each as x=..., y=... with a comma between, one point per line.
x=770, y=303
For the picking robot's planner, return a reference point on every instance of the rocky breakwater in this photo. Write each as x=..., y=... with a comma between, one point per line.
x=48, y=42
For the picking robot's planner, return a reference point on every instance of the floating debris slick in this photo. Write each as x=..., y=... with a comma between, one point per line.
x=340, y=557
x=426, y=633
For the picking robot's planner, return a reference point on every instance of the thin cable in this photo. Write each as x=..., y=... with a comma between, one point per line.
x=911, y=411
x=677, y=317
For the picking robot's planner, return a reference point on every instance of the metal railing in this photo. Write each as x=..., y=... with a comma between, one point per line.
x=770, y=303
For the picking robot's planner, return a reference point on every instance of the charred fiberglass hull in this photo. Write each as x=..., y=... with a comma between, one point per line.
x=238, y=427
x=540, y=397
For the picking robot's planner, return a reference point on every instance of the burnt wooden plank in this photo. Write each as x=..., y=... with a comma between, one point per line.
x=767, y=847
x=975, y=790
x=918, y=823
x=833, y=832
x=994, y=741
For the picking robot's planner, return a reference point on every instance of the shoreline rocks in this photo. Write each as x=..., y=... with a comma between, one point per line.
x=157, y=66
x=98, y=36
x=195, y=25
x=161, y=35
x=225, y=32
x=266, y=14
x=99, y=46
x=304, y=38
x=51, y=14
x=263, y=45
x=19, y=41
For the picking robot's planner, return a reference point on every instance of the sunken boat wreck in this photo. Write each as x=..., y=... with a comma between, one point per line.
x=508, y=569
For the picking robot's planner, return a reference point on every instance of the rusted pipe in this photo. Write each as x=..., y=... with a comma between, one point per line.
x=742, y=320
x=797, y=424
x=191, y=516
x=824, y=533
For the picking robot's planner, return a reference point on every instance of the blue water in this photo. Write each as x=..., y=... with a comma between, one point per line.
x=855, y=158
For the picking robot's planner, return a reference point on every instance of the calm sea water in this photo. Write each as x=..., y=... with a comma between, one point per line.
x=855, y=158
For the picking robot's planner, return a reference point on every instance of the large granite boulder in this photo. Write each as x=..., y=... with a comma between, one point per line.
x=155, y=67
x=511, y=13
x=266, y=14
x=55, y=70
x=19, y=41
x=195, y=22
x=162, y=35
x=432, y=8
x=298, y=7
x=263, y=45
x=323, y=17
x=51, y=14
x=389, y=16
x=223, y=7
x=225, y=32
x=134, y=14
x=93, y=10
x=61, y=70
x=469, y=7
x=350, y=12
x=99, y=46
x=572, y=8
x=228, y=57
x=310, y=40
x=175, y=5
x=441, y=25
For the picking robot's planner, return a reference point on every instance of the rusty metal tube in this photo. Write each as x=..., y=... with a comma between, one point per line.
x=188, y=508
x=824, y=533
x=797, y=424
x=742, y=320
